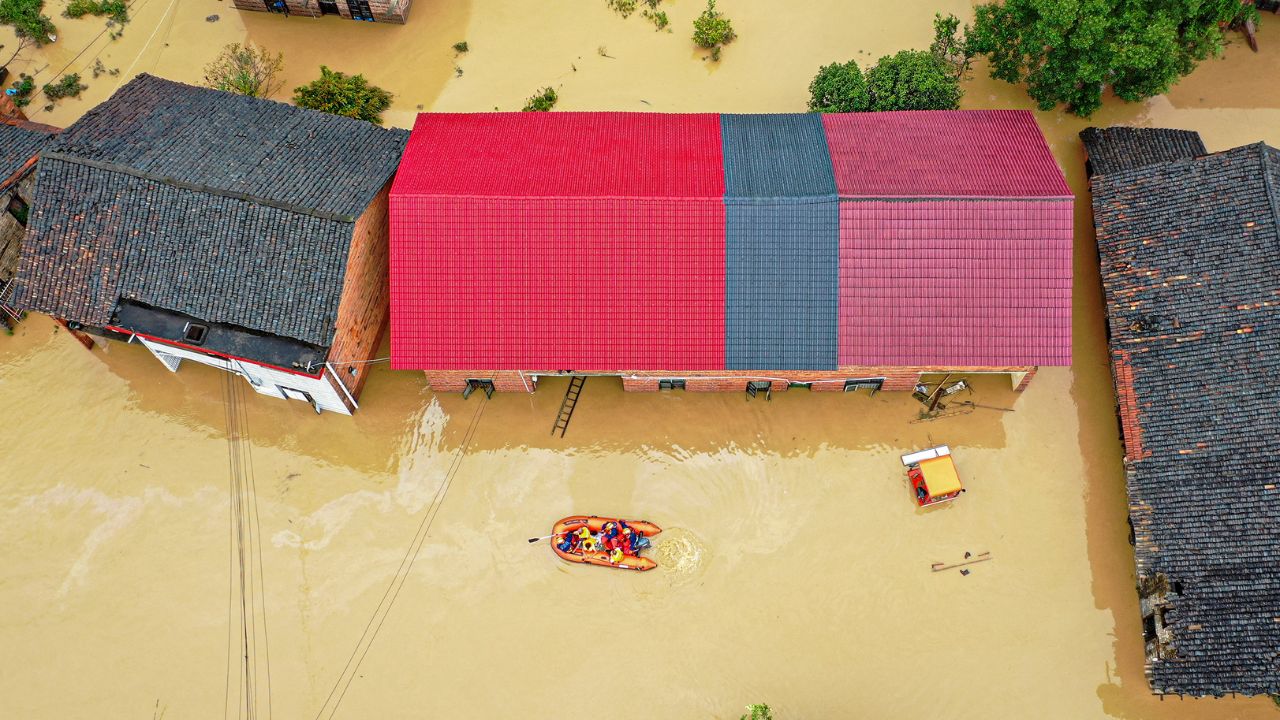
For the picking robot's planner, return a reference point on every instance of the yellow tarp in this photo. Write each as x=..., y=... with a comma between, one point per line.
x=940, y=476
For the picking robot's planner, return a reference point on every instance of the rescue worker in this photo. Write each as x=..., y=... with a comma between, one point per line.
x=616, y=555
x=587, y=540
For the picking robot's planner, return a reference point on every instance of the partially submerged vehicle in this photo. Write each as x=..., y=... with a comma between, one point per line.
x=933, y=476
x=590, y=548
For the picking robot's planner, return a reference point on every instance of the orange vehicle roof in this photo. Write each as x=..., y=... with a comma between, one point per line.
x=940, y=476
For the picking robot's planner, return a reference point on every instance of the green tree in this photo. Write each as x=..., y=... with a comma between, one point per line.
x=712, y=30
x=341, y=94
x=758, y=711
x=913, y=80
x=245, y=70
x=27, y=20
x=1069, y=51
x=839, y=88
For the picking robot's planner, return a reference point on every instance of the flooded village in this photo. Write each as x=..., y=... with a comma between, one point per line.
x=251, y=472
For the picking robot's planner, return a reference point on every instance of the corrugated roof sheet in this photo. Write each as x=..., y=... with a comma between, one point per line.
x=776, y=156
x=942, y=153
x=97, y=236
x=1190, y=253
x=238, y=146
x=557, y=283
x=1123, y=148
x=955, y=282
x=781, y=244
x=563, y=154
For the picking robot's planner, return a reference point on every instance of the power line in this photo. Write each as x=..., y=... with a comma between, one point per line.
x=389, y=596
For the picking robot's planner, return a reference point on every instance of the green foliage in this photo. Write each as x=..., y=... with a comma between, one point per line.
x=912, y=80
x=658, y=18
x=341, y=94
x=115, y=9
x=758, y=711
x=27, y=20
x=542, y=101
x=245, y=70
x=712, y=30
x=460, y=47
x=839, y=88
x=25, y=86
x=951, y=47
x=1070, y=51
x=623, y=7
x=68, y=86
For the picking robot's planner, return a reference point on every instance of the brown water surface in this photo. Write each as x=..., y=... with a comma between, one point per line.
x=795, y=569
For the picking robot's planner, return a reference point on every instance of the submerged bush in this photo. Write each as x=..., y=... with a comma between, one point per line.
x=839, y=88
x=541, y=102
x=758, y=711
x=712, y=30
x=341, y=94
x=115, y=9
x=23, y=88
x=68, y=86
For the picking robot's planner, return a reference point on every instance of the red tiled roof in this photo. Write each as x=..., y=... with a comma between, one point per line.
x=559, y=241
x=564, y=154
x=942, y=153
x=955, y=282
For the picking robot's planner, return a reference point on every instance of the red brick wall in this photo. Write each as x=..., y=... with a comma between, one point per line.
x=385, y=11
x=899, y=378
x=364, y=309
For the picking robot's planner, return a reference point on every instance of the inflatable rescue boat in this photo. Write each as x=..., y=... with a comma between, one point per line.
x=599, y=556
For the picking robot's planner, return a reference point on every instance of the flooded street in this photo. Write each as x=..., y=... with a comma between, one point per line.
x=794, y=567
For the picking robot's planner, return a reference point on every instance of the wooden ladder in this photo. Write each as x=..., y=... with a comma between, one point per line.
x=570, y=402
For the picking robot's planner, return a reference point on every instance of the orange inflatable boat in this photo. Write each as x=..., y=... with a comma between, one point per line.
x=599, y=556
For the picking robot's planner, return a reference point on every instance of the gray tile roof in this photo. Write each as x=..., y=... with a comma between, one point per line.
x=229, y=209
x=1190, y=254
x=265, y=151
x=1120, y=148
x=18, y=144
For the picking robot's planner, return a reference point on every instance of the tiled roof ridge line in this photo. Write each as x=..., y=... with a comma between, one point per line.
x=1273, y=193
x=198, y=187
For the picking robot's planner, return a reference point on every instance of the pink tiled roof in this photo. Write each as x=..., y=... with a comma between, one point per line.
x=955, y=282
x=942, y=153
x=563, y=154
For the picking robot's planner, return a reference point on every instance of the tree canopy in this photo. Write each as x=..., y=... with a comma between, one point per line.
x=912, y=80
x=341, y=94
x=839, y=88
x=1070, y=51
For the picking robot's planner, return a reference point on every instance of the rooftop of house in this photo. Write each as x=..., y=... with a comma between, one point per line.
x=20, y=143
x=1119, y=148
x=1190, y=260
x=229, y=209
x=653, y=241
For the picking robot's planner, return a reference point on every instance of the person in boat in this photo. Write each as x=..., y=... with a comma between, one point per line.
x=587, y=540
x=568, y=542
x=616, y=555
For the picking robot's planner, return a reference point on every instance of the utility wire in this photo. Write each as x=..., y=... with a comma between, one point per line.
x=339, y=691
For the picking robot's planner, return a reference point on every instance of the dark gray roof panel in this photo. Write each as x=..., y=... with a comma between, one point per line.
x=776, y=156
x=782, y=263
x=96, y=236
x=18, y=144
x=229, y=144
x=1119, y=148
x=1190, y=253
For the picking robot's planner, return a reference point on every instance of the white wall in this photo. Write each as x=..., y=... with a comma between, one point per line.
x=264, y=380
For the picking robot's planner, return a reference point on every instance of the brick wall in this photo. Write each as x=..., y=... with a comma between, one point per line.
x=897, y=378
x=363, y=311
x=385, y=11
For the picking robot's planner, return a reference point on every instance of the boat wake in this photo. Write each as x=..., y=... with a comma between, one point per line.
x=680, y=555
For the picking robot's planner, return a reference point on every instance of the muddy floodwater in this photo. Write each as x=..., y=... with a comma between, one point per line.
x=389, y=572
